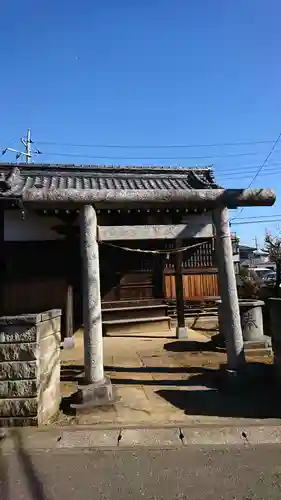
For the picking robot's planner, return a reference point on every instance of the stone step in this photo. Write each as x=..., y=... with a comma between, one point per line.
x=131, y=303
x=134, y=312
x=137, y=326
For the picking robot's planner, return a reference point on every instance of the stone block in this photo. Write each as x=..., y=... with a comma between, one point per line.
x=49, y=398
x=181, y=332
x=49, y=394
x=49, y=315
x=18, y=370
x=48, y=361
x=24, y=407
x=29, y=319
x=264, y=342
x=18, y=352
x=49, y=344
x=18, y=389
x=49, y=406
x=20, y=320
x=49, y=379
x=29, y=369
x=49, y=327
x=18, y=422
x=18, y=333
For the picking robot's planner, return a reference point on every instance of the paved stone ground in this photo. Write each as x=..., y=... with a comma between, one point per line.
x=166, y=381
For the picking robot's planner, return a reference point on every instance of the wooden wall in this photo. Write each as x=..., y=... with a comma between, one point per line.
x=38, y=273
x=130, y=275
x=196, y=285
x=34, y=296
x=200, y=278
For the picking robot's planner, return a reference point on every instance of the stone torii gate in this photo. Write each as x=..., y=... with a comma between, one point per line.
x=98, y=389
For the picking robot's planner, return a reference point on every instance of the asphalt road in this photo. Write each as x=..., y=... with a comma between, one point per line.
x=237, y=472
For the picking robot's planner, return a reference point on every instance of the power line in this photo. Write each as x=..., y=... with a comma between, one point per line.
x=246, y=176
x=244, y=173
x=260, y=217
x=231, y=155
x=260, y=169
x=255, y=222
x=238, y=175
x=228, y=169
x=157, y=146
x=265, y=160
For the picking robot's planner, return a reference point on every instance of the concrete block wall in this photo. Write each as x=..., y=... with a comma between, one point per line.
x=30, y=368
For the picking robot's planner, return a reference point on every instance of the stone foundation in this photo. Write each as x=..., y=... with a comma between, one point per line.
x=30, y=368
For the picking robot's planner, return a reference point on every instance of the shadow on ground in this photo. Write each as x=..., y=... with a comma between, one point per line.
x=75, y=373
x=72, y=373
x=33, y=482
x=202, y=392
x=256, y=397
x=196, y=325
x=213, y=345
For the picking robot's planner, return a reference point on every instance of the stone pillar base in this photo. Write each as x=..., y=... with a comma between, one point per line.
x=181, y=332
x=263, y=342
x=95, y=395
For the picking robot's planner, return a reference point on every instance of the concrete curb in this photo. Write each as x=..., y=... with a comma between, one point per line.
x=126, y=438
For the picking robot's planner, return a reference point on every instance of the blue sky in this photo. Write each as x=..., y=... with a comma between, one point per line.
x=147, y=72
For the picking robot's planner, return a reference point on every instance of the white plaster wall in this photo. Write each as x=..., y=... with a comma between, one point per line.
x=33, y=228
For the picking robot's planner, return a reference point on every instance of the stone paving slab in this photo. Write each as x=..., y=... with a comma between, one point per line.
x=150, y=437
x=160, y=381
x=88, y=439
x=153, y=437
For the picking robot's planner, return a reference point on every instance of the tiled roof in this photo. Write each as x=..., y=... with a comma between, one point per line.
x=105, y=177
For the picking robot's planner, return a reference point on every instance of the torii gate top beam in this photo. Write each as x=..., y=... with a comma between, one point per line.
x=209, y=198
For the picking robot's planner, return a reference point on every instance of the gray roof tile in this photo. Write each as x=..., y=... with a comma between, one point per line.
x=104, y=177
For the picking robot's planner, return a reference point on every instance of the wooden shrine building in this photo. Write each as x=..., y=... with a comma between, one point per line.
x=40, y=250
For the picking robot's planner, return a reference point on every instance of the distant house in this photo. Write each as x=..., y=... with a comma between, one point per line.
x=252, y=257
x=246, y=254
x=235, y=251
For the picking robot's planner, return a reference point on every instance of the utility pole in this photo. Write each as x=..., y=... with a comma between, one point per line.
x=26, y=141
x=27, y=148
x=256, y=242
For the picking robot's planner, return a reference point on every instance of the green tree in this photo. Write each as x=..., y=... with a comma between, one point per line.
x=272, y=245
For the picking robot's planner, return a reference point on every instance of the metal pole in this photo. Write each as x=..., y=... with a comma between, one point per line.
x=228, y=290
x=93, y=341
x=27, y=147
